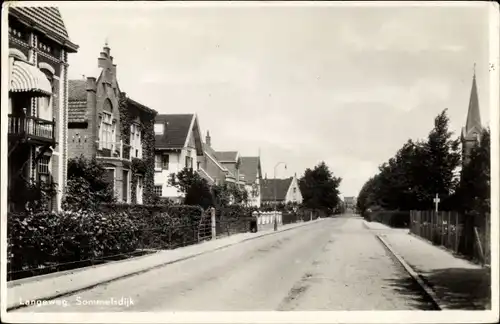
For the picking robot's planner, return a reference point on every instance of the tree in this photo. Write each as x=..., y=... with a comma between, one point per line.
x=196, y=190
x=442, y=157
x=418, y=171
x=320, y=189
x=473, y=191
x=87, y=186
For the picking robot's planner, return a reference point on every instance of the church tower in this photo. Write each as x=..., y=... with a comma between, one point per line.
x=472, y=131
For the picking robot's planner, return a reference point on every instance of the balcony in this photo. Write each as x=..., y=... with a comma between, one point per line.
x=32, y=129
x=114, y=150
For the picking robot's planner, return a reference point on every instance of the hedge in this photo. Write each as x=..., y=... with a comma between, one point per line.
x=397, y=219
x=49, y=240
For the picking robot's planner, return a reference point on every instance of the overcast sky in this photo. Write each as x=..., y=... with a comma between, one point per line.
x=344, y=85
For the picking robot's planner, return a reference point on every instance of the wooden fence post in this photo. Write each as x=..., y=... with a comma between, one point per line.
x=442, y=228
x=448, y=231
x=487, y=239
x=212, y=216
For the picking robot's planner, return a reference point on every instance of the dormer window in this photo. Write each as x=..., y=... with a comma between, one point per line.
x=159, y=129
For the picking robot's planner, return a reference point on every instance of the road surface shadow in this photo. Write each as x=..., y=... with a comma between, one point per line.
x=410, y=290
x=459, y=288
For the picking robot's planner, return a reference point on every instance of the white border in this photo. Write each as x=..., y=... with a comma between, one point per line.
x=276, y=317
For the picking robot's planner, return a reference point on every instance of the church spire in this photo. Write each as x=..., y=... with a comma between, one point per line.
x=473, y=115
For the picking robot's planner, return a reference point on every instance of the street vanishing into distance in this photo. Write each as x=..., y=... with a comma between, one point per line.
x=331, y=264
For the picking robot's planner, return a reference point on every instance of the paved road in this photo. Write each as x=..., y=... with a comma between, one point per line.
x=334, y=264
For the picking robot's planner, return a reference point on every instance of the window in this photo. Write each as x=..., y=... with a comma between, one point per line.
x=165, y=160
x=107, y=131
x=43, y=165
x=158, y=162
x=159, y=128
x=294, y=190
x=189, y=162
x=158, y=191
x=198, y=165
x=135, y=141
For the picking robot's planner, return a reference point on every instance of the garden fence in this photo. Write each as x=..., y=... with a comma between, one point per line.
x=467, y=235
x=45, y=243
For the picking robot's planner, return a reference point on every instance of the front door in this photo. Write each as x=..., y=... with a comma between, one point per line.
x=125, y=182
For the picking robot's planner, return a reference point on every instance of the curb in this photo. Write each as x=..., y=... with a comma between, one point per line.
x=427, y=290
x=59, y=294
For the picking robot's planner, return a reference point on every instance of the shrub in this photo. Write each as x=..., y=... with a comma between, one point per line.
x=44, y=239
x=87, y=187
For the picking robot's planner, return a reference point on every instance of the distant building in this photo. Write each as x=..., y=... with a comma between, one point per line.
x=350, y=203
x=280, y=191
x=471, y=133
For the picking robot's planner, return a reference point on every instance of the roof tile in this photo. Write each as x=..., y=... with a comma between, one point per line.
x=268, y=187
x=176, y=130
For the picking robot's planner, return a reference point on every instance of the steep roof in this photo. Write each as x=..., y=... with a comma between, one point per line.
x=177, y=130
x=473, y=114
x=46, y=19
x=77, y=101
x=249, y=166
x=229, y=156
x=268, y=186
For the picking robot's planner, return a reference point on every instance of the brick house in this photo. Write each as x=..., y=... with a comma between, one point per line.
x=37, y=113
x=177, y=146
x=118, y=131
x=210, y=167
x=280, y=191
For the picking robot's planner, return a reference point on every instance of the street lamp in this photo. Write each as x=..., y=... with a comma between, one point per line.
x=275, y=202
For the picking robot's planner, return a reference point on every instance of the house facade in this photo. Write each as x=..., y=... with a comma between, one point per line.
x=251, y=170
x=178, y=145
x=37, y=113
x=280, y=191
x=118, y=131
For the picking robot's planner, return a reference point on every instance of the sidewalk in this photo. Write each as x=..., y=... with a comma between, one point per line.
x=58, y=284
x=456, y=283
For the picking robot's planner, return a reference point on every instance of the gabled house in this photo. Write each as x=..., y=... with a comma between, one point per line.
x=280, y=191
x=250, y=168
x=210, y=167
x=37, y=112
x=118, y=131
x=178, y=145
x=231, y=161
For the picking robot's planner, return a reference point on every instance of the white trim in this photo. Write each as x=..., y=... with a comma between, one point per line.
x=186, y=142
x=215, y=161
x=18, y=54
x=60, y=147
x=46, y=66
x=205, y=172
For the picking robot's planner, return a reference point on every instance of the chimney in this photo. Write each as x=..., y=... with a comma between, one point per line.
x=208, y=139
x=105, y=61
